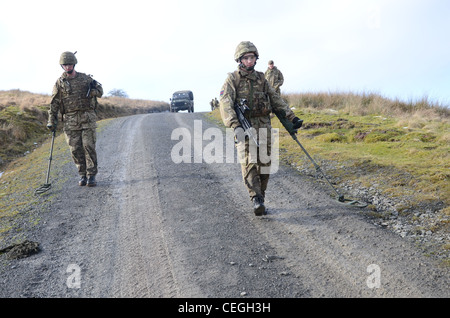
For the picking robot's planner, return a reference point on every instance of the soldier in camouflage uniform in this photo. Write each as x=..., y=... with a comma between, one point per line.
x=274, y=77
x=216, y=103
x=247, y=83
x=75, y=97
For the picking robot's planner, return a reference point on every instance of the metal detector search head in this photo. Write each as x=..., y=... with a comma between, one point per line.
x=43, y=188
x=46, y=186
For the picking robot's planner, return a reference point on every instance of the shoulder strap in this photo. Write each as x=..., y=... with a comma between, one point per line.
x=61, y=81
x=237, y=79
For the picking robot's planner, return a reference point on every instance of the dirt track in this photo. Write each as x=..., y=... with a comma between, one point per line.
x=153, y=228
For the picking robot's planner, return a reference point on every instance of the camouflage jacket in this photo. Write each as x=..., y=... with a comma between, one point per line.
x=262, y=98
x=275, y=78
x=69, y=97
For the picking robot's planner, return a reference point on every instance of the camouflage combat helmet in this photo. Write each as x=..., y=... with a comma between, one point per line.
x=68, y=58
x=244, y=48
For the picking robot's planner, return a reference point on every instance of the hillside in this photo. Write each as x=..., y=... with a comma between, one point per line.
x=23, y=119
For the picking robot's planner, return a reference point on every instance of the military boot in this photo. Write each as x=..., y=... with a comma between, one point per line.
x=258, y=206
x=91, y=181
x=83, y=181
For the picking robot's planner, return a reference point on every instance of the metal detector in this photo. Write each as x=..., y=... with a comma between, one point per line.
x=341, y=198
x=46, y=186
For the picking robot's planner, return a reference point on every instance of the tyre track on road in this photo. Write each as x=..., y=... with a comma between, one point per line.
x=142, y=267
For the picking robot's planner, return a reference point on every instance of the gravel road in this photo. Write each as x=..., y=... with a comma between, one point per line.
x=156, y=228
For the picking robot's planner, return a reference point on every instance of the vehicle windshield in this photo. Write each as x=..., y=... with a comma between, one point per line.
x=181, y=96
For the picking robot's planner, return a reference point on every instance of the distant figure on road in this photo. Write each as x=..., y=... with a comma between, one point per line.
x=274, y=77
x=247, y=83
x=214, y=103
x=75, y=96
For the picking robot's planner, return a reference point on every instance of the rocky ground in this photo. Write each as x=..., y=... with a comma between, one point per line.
x=424, y=224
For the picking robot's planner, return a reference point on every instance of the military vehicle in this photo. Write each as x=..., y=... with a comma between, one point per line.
x=182, y=100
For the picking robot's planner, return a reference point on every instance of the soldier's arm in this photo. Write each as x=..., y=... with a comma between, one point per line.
x=55, y=105
x=99, y=88
x=227, y=100
x=278, y=104
x=280, y=78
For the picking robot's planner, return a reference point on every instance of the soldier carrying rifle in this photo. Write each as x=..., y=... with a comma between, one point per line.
x=75, y=97
x=247, y=83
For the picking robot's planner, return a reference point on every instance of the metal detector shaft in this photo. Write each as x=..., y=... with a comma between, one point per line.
x=51, y=157
x=340, y=197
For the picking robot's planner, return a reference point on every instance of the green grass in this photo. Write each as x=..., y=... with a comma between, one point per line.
x=17, y=186
x=419, y=158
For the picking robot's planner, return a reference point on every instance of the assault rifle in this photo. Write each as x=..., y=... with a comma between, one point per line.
x=240, y=109
x=92, y=85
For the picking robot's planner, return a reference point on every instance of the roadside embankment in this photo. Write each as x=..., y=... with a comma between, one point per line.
x=393, y=155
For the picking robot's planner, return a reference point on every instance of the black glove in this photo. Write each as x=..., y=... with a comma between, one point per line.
x=297, y=123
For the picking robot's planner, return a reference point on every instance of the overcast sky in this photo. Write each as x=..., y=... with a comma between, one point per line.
x=397, y=48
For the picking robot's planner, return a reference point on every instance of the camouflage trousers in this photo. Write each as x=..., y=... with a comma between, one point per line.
x=255, y=161
x=82, y=148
